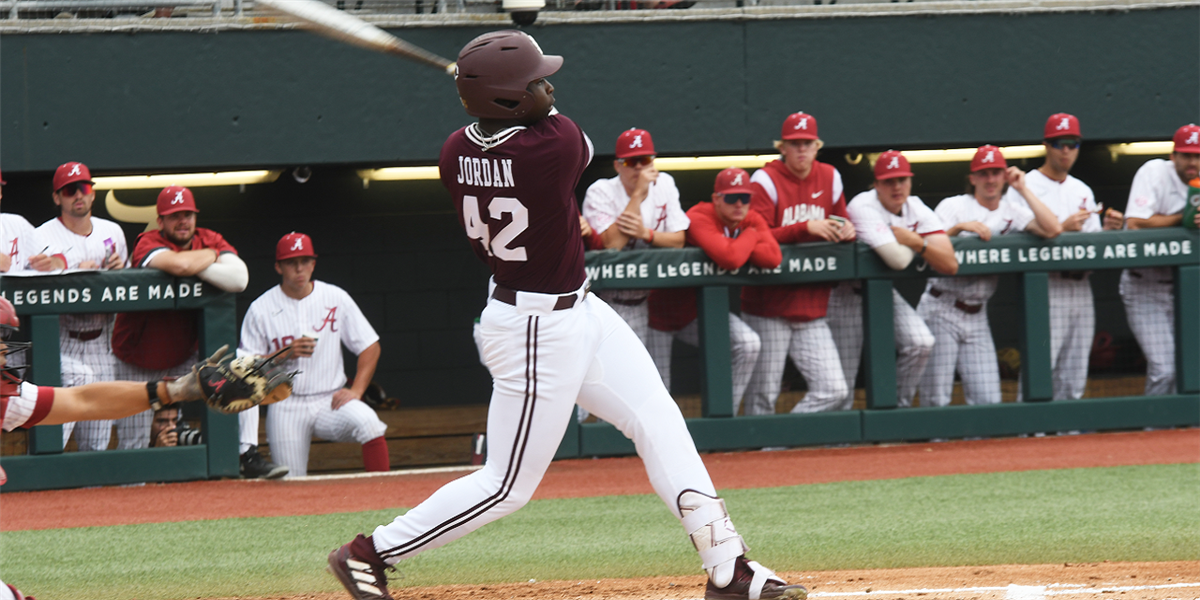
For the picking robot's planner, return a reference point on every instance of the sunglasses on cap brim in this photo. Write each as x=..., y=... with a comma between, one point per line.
x=1068, y=143
x=736, y=198
x=76, y=187
x=636, y=161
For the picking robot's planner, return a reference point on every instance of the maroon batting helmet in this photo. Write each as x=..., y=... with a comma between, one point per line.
x=10, y=374
x=494, y=71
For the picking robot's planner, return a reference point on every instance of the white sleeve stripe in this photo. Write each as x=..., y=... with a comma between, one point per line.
x=762, y=178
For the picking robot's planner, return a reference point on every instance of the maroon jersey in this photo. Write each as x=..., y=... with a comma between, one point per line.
x=515, y=196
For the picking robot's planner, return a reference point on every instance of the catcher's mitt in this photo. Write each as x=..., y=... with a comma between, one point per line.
x=231, y=385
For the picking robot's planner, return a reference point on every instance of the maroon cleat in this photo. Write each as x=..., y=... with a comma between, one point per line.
x=362, y=576
x=752, y=581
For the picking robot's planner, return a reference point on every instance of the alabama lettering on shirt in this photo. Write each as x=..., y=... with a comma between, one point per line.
x=785, y=201
x=1008, y=218
x=275, y=320
x=19, y=240
x=107, y=238
x=873, y=223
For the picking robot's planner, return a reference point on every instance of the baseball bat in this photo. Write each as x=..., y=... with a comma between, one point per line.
x=343, y=27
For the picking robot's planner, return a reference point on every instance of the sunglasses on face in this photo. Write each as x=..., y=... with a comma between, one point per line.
x=1067, y=143
x=736, y=198
x=634, y=162
x=76, y=188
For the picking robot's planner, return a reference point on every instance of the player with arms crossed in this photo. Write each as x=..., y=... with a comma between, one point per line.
x=547, y=342
x=314, y=319
x=899, y=228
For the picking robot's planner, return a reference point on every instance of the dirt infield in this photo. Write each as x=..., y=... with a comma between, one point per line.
x=619, y=476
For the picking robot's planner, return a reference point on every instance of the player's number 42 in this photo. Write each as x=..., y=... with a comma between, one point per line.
x=477, y=228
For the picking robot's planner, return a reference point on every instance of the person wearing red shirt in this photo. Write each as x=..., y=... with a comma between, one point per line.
x=797, y=195
x=731, y=235
x=155, y=344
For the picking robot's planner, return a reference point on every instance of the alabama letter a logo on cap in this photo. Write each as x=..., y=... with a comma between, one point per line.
x=989, y=157
x=178, y=198
x=74, y=169
x=298, y=244
x=736, y=180
x=1193, y=139
x=1063, y=125
x=802, y=124
x=637, y=141
x=894, y=163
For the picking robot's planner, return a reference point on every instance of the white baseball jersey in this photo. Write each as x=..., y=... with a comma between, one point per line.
x=874, y=223
x=29, y=407
x=1157, y=189
x=274, y=321
x=606, y=200
x=1063, y=199
x=1009, y=217
x=107, y=238
x=19, y=240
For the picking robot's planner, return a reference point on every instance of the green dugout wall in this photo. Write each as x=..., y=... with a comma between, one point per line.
x=703, y=81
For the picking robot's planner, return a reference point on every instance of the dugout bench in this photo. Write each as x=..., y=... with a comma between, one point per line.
x=40, y=300
x=1031, y=258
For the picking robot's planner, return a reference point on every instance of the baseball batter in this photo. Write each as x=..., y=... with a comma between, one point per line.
x=315, y=319
x=83, y=241
x=956, y=308
x=547, y=342
x=731, y=235
x=795, y=195
x=1156, y=199
x=899, y=227
x=1072, y=308
x=20, y=247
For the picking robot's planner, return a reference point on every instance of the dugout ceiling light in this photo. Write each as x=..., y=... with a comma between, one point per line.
x=965, y=154
x=190, y=180
x=1141, y=149
x=713, y=163
x=398, y=174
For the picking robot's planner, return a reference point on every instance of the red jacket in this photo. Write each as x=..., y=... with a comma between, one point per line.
x=671, y=309
x=799, y=201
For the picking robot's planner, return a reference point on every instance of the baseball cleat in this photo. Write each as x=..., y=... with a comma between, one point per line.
x=364, y=580
x=752, y=581
x=256, y=466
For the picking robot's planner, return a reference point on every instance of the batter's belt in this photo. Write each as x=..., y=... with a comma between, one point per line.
x=509, y=296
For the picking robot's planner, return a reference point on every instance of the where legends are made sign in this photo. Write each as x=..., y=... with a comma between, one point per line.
x=809, y=263
x=105, y=291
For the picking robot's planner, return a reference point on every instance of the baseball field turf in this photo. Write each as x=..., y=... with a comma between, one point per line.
x=1128, y=513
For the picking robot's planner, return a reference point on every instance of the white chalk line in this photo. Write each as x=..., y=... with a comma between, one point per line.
x=1014, y=592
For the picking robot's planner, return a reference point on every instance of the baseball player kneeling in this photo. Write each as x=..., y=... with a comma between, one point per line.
x=315, y=319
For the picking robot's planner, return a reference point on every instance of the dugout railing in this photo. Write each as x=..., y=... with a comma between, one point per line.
x=40, y=300
x=1030, y=258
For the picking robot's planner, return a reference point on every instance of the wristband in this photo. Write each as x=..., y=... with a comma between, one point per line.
x=152, y=389
x=651, y=238
x=924, y=246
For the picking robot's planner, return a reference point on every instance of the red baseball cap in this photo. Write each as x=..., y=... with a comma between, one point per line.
x=1062, y=125
x=70, y=173
x=988, y=157
x=635, y=142
x=733, y=181
x=293, y=245
x=799, y=126
x=1187, y=139
x=174, y=199
x=890, y=165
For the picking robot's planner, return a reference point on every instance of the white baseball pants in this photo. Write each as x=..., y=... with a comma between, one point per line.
x=542, y=361
x=811, y=347
x=914, y=341
x=1150, y=309
x=963, y=342
x=744, y=347
x=292, y=423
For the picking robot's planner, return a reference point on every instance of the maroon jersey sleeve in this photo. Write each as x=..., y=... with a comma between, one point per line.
x=515, y=198
x=146, y=242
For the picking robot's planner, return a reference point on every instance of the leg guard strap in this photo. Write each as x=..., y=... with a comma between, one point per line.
x=707, y=522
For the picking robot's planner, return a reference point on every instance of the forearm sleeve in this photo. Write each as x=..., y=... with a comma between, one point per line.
x=229, y=273
x=896, y=255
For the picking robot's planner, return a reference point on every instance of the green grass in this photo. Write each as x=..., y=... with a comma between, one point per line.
x=1147, y=513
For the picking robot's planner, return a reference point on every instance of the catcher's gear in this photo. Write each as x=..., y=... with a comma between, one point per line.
x=231, y=385
x=10, y=375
